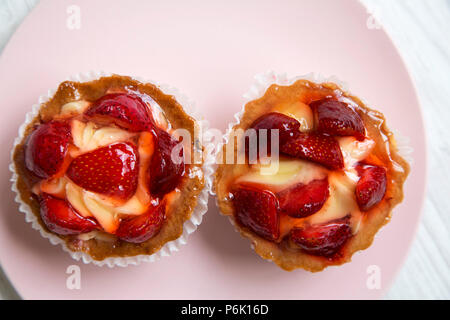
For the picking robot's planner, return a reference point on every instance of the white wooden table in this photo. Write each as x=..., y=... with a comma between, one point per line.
x=421, y=31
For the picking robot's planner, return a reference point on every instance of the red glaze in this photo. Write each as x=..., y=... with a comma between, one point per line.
x=371, y=186
x=287, y=126
x=323, y=239
x=257, y=210
x=316, y=147
x=61, y=218
x=338, y=119
x=302, y=200
x=164, y=174
x=46, y=148
x=111, y=170
x=143, y=227
x=127, y=111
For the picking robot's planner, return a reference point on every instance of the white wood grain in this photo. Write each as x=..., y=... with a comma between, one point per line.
x=420, y=29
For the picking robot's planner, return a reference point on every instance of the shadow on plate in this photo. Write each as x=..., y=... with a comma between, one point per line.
x=20, y=231
x=218, y=233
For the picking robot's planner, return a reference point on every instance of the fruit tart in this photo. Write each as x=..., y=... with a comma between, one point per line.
x=101, y=168
x=323, y=189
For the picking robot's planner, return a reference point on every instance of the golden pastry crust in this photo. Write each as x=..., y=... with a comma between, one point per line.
x=384, y=152
x=179, y=210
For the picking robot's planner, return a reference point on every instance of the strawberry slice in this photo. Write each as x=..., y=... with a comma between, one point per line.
x=143, y=227
x=338, y=119
x=371, y=186
x=303, y=200
x=164, y=174
x=111, y=170
x=127, y=111
x=315, y=147
x=287, y=126
x=61, y=218
x=257, y=210
x=46, y=148
x=323, y=239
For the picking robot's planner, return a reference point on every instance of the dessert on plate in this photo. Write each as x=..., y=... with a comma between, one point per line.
x=101, y=168
x=336, y=175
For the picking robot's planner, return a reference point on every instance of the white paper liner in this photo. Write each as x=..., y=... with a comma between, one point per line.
x=264, y=80
x=189, y=226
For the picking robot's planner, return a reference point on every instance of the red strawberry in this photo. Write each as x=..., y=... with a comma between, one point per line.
x=125, y=110
x=338, y=119
x=257, y=210
x=323, y=239
x=143, y=227
x=111, y=170
x=303, y=200
x=371, y=186
x=46, y=148
x=61, y=218
x=164, y=173
x=287, y=126
x=315, y=147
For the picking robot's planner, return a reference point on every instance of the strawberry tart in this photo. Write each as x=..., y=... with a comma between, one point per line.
x=96, y=166
x=331, y=186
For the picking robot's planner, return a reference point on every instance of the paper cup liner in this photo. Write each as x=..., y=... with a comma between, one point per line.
x=189, y=226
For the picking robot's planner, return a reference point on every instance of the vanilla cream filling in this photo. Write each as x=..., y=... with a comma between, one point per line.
x=290, y=172
x=299, y=111
x=74, y=108
x=87, y=137
x=341, y=201
x=354, y=151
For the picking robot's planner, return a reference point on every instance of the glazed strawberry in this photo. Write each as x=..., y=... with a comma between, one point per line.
x=315, y=147
x=371, y=186
x=111, y=170
x=46, y=148
x=127, y=111
x=164, y=173
x=60, y=217
x=303, y=200
x=324, y=239
x=338, y=119
x=287, y=126
x=143, y=227
x=257, y=210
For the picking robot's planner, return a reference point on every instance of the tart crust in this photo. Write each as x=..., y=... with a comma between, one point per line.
x=385, y=151
x=179, y=210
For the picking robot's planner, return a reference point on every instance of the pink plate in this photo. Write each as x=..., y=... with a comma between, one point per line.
x=210, y=50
